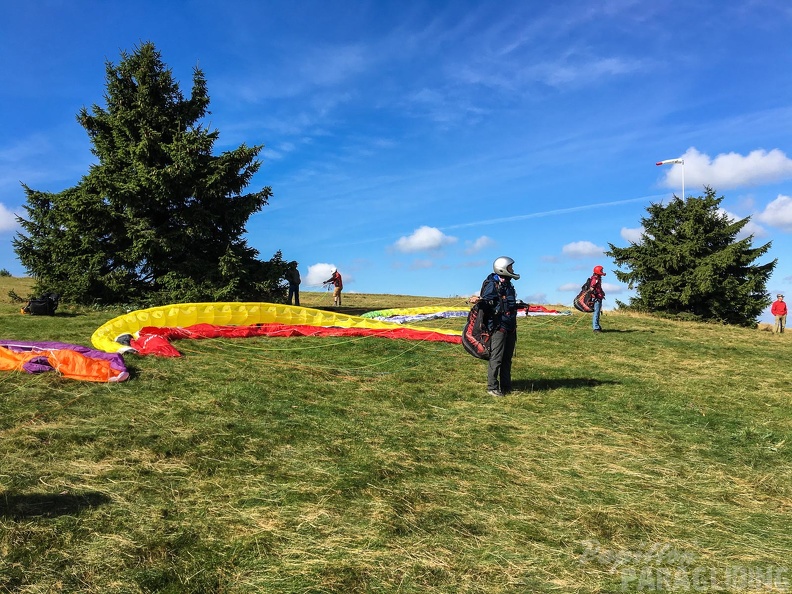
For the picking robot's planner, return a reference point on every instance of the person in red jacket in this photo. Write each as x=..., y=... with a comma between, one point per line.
x=599, y=294
x=779, y=310
x=338, y=285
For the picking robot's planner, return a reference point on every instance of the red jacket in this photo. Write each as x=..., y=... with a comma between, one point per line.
x=596, y=287
x=779, y=308
x=336, y=280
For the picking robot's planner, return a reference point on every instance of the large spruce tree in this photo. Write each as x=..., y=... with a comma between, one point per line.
x=691, y=264
x=159, y=218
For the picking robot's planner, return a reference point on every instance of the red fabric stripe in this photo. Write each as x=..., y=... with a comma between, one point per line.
x=153, y=340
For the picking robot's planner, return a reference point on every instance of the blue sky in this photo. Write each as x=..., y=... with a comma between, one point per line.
x=411, y=143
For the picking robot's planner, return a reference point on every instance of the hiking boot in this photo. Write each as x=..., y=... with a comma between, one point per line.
x=497, y=393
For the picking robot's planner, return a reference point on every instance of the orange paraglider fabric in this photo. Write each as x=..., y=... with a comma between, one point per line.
x=70, y=361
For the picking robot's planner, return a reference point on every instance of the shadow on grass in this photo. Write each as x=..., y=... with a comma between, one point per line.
x=541, y=385
x=19, y=506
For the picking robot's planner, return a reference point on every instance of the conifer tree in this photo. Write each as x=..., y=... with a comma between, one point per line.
x=690, y=264
x=160, y=217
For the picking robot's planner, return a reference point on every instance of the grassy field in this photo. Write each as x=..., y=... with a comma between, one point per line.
x=653, y=456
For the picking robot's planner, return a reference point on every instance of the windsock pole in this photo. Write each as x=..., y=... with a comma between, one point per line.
x=676, y=162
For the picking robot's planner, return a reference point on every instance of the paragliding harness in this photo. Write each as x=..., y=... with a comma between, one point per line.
x=44, y=306
x=585, y=299
x=476, y=335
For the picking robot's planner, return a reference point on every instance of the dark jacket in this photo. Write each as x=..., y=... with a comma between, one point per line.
x=293, y=276
x=501, y=303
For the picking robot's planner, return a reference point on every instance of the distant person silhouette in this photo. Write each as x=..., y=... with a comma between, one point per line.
x=293, y=278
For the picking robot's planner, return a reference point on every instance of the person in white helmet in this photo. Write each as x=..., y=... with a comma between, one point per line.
x=338, y=286
x=500, y=297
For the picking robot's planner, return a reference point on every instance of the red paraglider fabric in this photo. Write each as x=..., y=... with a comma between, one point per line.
x=153, y=340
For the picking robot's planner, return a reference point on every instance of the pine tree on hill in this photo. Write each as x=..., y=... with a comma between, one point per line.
x=159, y=218
x=690, y=264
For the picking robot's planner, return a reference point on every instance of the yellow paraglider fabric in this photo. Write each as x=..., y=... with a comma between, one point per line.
x=228, y=314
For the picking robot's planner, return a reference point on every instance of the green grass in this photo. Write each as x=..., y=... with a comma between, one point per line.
x=369, y=465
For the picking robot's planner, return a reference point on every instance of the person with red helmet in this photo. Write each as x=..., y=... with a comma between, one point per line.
x=599, y=294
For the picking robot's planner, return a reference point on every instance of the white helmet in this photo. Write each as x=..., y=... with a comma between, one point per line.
x=503, y=267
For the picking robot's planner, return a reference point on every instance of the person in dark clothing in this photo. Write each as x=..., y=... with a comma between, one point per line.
x=293, y=278
x=599, y=294
x=501, y=302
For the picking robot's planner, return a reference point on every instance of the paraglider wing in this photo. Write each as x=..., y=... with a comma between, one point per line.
x=69, y=360
x=112, y=335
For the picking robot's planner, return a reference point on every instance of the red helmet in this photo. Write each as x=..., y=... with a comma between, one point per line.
x=599, y=270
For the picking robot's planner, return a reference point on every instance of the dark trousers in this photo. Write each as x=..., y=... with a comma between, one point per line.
x=294, y=291
x=501, y=352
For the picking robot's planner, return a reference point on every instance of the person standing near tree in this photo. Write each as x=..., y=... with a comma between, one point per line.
x=338, y=286
x=293, y=278
x=599, y=294
x=779, y=310
x=500, y=298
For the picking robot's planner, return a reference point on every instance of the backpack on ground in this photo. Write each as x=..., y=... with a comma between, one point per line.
x=44, y=306
x=585, y=299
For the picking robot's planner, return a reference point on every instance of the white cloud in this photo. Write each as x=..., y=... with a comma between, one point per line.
x=750, y=227
x=570, y=287
x=728, y=170
x=300, y=70
x=8, y=220
x=424, y=239
x=582, y=249
x=561, y=74
x=318, y=273
x=479, y=244
x=633, y=235
x=778, y=213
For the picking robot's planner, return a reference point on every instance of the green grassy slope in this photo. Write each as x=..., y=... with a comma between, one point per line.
x=655, y=451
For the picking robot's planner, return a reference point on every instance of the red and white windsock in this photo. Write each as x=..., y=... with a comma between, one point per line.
x=676, y=162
